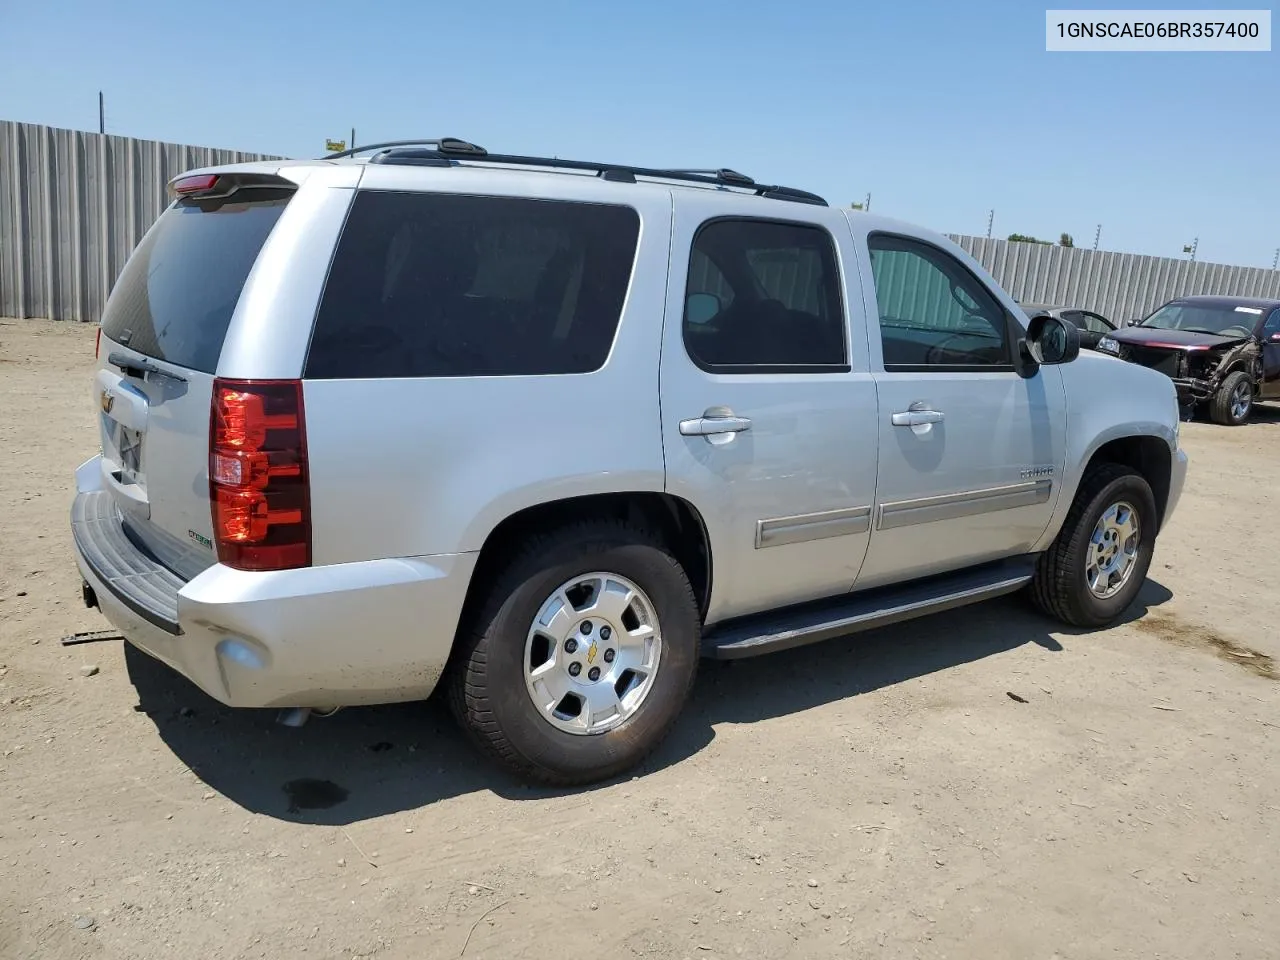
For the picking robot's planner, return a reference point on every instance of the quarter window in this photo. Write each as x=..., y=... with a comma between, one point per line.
x=933, y=311
x=448, y=285
x=764, y=295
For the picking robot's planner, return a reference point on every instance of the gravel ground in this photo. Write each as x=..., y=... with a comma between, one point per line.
x=884, y=795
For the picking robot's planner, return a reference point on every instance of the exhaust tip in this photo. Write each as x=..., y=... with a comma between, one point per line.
x=293, y=716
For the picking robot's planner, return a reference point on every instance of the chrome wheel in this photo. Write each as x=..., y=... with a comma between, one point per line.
x=592, y=653
x=1113, y=550
x=1241, y=400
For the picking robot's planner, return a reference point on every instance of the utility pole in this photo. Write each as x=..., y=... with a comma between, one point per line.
x=990, y=220
x=1275, y=261
x=1194, y=245
x=1097, y=235
x=353, y=138
x=102, y=114
x=867, y=204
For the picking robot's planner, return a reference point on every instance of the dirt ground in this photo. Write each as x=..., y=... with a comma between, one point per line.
x=881, y=796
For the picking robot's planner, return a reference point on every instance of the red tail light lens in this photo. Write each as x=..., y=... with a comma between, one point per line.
x=259, y=490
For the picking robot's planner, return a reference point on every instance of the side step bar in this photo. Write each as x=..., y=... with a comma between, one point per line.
x=855, y=612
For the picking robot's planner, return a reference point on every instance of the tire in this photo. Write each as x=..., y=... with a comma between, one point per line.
x=1225, y=406
x=1061, y=585
x=489, y=689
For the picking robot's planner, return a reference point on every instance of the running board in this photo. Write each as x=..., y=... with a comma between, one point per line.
x=855, y=612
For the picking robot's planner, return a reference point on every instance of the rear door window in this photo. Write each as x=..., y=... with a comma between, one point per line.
x=176, y=295
x=764, y=295
x=449, y=285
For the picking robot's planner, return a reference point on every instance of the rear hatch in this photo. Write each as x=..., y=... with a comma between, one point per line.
x=162, y=334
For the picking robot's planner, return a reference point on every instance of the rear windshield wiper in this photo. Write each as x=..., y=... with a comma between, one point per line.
x=139, y=366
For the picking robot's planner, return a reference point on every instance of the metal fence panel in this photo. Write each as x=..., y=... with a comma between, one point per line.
x=1121, y=286
x=73, y=205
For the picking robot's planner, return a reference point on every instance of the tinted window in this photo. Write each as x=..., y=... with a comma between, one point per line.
x=1094, y=323
x=444, y=285
x=1087, y=321
x=762, y=294
x=933, y=311
x=175, y=297
x=1273, y=322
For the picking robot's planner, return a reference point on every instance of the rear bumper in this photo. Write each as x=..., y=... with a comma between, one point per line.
x=370, y=632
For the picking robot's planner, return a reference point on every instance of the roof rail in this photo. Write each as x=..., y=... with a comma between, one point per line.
x=451, y=145
x=450, y=149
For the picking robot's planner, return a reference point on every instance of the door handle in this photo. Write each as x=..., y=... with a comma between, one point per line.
x=713, y=426
x=916, y=418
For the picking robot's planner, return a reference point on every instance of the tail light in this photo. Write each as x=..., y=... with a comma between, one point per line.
x=259, y=491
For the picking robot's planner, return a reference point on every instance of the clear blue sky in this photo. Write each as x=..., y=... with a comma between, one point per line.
x=942, y=110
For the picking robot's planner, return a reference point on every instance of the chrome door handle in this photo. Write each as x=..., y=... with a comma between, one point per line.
x=713, y=426
x=916, y=418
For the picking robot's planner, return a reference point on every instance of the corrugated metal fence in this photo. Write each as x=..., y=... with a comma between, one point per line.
x=1121, y=286
x=73, y=205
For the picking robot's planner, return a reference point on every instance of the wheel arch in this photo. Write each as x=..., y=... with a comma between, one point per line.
x=672, y=518
x=1149, y=455
x=1245, y=357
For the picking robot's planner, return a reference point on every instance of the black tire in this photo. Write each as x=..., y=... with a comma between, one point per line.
x=1060, y=587
x=1220, y=404
x=487, y=690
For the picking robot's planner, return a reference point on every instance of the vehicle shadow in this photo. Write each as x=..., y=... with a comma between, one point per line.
x=1264, y=415
x=367, y=762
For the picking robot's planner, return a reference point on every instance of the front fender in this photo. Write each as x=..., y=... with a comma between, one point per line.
x=1109, y=400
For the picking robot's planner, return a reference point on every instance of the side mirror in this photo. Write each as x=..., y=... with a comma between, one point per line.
x=1131, y=323
x=1275, y=337
x=1052, y=340
x=701, y=307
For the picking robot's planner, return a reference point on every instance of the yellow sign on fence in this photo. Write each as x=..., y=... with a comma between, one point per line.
x=333, y=146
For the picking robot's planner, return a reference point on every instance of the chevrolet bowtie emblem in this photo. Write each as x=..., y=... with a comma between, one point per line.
x=591, y=652
x=108, y=400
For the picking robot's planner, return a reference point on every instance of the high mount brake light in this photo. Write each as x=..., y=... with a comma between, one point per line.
x=194, y=184
x=259, y=489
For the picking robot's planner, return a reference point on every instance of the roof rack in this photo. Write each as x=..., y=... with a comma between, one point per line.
x=444, y=144
x=447, y=150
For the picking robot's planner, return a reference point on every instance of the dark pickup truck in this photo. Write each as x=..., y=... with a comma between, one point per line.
x=1222, y=353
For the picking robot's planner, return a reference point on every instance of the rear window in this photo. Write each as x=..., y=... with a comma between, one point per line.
x=446, y=285
x=175, y=297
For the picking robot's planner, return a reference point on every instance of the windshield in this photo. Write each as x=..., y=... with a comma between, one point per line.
x=1221, y=321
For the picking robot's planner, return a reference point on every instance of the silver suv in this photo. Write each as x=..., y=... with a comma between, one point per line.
x=544, y=433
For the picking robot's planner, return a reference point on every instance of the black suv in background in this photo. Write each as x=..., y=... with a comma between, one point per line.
x=1221, y=352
